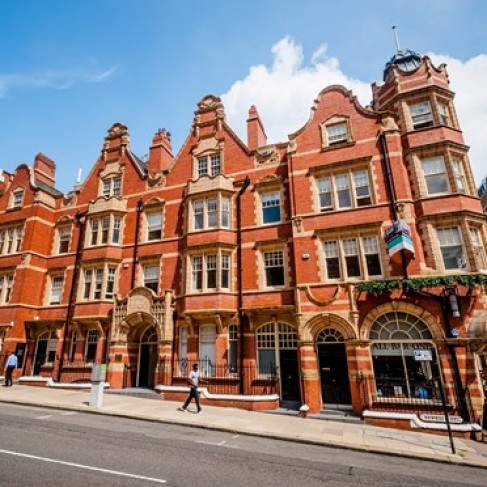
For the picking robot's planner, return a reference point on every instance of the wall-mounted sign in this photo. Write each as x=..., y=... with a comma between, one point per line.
x=423, y=355
x=398, y=237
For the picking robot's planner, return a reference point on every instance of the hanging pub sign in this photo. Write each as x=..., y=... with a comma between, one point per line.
x=398, y=237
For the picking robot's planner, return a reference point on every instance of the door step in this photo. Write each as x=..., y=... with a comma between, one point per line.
x=140, y=392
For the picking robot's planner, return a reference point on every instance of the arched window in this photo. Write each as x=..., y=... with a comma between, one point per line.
x=149, y=336
x=270, y=340
x=404, y=358
x=329, y=335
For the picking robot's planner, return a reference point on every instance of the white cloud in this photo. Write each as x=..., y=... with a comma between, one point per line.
x=59, y=80
x=284, y=93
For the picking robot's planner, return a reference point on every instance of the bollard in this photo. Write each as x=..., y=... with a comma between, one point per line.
x=98, y=375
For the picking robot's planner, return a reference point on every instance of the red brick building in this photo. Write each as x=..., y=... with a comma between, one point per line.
x=277, y=267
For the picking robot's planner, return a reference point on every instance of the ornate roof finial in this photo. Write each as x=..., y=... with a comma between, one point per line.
x=396, y=38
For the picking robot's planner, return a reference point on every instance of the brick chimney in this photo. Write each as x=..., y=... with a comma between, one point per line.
x=44, y=169
x=160, y=153
x=256, y=136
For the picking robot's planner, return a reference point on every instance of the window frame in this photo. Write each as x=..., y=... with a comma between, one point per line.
x=199, y=271
x=268, y=255
x=428, y=122
x=460, y=244
x=201, y=212
x=210, y=164
x=430, y=176
x=89, y=288
x=11, y=238
x=6, y=286
x=151, y=228
x=17, y=201
x=264, y=195
x=59, y=289
x=90, y=345
x=111, y=186
x=101, y=234
x=147, y=279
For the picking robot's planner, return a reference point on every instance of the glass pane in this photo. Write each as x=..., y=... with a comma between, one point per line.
x=437, y=184
x=353, y=266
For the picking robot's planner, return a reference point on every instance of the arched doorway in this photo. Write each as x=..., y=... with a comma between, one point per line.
x=147, y=358
x=277, y=346
x=332, y=357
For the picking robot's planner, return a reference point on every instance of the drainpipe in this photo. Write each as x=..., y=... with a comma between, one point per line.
x=239, y=278
x=72, y=293
x=392, y=191
x=138, y=209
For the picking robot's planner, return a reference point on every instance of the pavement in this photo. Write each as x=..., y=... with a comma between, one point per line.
x=359, y=437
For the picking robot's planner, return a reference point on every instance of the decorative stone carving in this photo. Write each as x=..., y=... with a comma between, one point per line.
x=269, y=180
x=117, y=130
x=210, y=102
x=208, y=144
x=267, y=155
x=207, y=183
x=320, y=302
x=110, y=205
x=389, y=123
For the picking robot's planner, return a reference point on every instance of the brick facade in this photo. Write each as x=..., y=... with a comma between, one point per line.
x=138, y=265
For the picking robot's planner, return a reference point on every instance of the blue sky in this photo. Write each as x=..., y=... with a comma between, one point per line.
x=69, y=70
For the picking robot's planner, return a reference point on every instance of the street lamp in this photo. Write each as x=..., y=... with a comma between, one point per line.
x=453, y=303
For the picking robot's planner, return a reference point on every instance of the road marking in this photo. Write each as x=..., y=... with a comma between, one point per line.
x=234, y=437
x=46, y=416
x=69, y=413
x=86, y=467
x=210, y=443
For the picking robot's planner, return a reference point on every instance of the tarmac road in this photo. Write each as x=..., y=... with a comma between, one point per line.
x=40, y=446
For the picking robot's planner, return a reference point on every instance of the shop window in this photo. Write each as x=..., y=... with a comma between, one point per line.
x=435, y=175
x=232, y=349
x=271, y=207
x=451, y=247
x=404, y=358
x=421, y=115
x=91, y=345
x=207, y=350
x=274, y=268
x=151, y=277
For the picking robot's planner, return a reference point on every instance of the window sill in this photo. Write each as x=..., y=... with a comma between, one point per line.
x=340, y=145
x=13, y=209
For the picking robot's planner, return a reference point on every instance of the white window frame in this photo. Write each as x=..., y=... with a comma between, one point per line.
x=362, y=242
x=62, y=232
x=216, y=207
x=442, y=231
x=6, y=285
x=271, y=258
x=431, y=175
x=11, y=239
x=209, y=165
x=95, y=286
x=444, y=114
x=478, y=246
x=207, y=349
x=155, y=226
x=200, y=265
x=56, y=289
x=106, y=231
x=424, y=116
x=111, y=186
x=271, y=199
x=337, y=133
x=151, y=273
x=17, y=198
x=458, y=170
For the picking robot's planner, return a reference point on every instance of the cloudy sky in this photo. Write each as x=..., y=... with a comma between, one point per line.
x=68, y=71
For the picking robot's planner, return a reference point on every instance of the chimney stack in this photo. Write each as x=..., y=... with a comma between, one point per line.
x=160, y=153
x=44, y=169
x=256, y=136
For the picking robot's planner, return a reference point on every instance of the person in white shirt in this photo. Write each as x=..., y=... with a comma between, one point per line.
x=193, y=379
x=10, y=366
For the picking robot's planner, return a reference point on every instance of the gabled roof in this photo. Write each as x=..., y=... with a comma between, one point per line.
x=48, y=189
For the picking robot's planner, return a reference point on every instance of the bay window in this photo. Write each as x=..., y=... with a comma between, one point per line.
x=99, y=283
x=210, y=271
x=211, y=212
x=421, y=115
x=459, y=175
x=435, y=175
x=444, y=113
x=451, y=247
x=105, y=230
x=478, y=248
x=6, y=282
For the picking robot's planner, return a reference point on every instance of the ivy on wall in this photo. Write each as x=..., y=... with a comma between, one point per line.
x=419, y=283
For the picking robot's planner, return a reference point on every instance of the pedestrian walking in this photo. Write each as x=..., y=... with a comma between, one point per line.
x=10, y=366
x=193, y=379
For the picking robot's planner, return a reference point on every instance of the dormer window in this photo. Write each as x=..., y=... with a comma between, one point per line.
x=17, y=198
x=112, y=187
x=209, y=165
x=421, y=115
x=337, y=133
